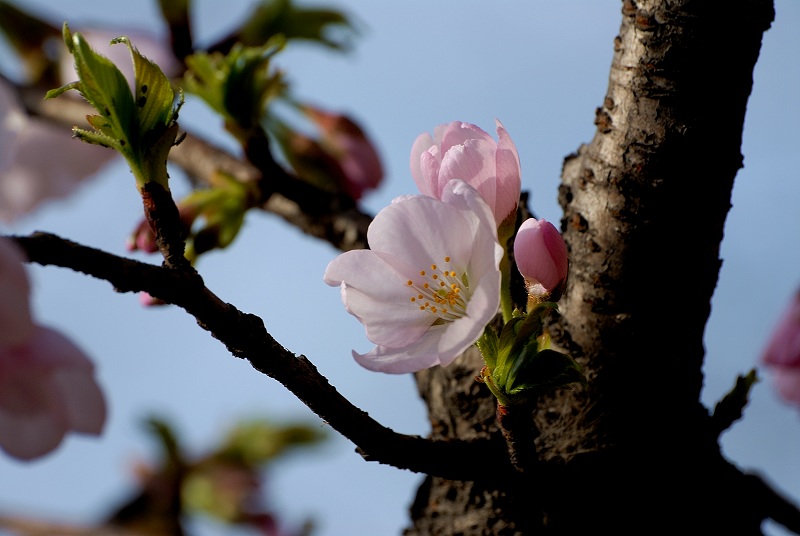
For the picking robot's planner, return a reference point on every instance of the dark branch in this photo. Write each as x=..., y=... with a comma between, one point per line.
x=246, y=337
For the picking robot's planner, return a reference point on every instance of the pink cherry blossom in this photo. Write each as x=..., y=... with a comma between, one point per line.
x=46, y=383
x=47, y=389
x=39, y=160
x=541, y=257
x=346, y=142
x=782, y=353
x=429, y=283
x=464, y=151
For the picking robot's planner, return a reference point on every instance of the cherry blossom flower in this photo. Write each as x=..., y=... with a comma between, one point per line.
x=541, y=257
x=343, y=139
x=38, y=160
x=429, y=283
x=782, y=353
x=47, y=387
x=464, y=151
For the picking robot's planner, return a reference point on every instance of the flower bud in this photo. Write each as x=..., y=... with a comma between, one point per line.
x=466, y=152
x=541, y=257
x=344, y=140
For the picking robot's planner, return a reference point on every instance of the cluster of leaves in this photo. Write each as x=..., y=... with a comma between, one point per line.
x=236, y=78
x=141, y=126
x=520, y=363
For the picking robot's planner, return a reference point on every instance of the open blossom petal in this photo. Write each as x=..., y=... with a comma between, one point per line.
x=430, y=282
x=47, y=388
x=464, y=151
x=16, y=324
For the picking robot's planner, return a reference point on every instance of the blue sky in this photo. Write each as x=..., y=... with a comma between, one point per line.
x=539, y=67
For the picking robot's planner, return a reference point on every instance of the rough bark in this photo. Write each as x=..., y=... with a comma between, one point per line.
x=644, y=208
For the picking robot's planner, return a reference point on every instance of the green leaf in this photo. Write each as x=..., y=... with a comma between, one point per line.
x=154, y=96
x=104, y=86
x=143, y=131
x=237, y=86
x=281, y=17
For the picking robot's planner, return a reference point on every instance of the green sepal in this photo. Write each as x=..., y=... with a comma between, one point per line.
x=96, y=138
x=53, y=93
x=520, y=362
x=488, y=345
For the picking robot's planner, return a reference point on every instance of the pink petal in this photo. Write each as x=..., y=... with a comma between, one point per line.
x=375, y=290
x=421, y=231
x=16, y=324
x=422, y=354
x=508, y=175
x=425, y=179
x=541, y=254
x=474, y=164
x=28, y=437
x=26, y=178
x=783, y=348
x=82, y=400
x=47, y=388
x=481, y=309
x=458, y=133
x=787, y=383
x=486, y=251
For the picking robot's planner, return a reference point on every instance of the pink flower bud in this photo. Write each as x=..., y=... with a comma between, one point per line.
x=344, y=140
x=463, y=151
x=782, y=353
x=541, y=257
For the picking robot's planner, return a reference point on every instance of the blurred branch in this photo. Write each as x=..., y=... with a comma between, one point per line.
x=330, y=217
x=246, y=337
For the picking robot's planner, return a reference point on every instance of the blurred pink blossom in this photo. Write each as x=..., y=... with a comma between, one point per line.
x=429, y=283
x=541, y=257
x=782, y=353
x=38, y=160
x=16, y=323
x=47, y=386
x=464, y=151
x=344, y=140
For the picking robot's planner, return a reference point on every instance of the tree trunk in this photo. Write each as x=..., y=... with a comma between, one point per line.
x=644, y=208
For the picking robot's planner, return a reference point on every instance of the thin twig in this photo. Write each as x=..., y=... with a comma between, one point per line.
x=246, y=337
